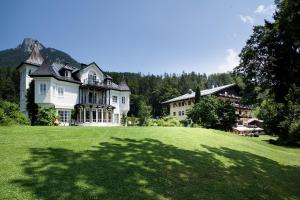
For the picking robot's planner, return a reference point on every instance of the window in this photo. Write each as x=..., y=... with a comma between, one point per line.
x=99, y=115
x=90, y=97
x=94, y=115
x=174, y=113
x=179, y=113
x=67, y=73
x=115, y=99
x=123, y=100
x=174, y=105
x=189, y=102
x=92, y=77
x=54, y=90
x=182, y=113
x=109, y=116
x=64, y=115
x=42, y=88
x=87, y=116
x=29, y=71
x=104, y=116
x=116, y=118
x=60, y=91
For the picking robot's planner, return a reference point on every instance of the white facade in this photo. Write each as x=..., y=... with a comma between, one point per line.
x=88, y=91
x=25, y=79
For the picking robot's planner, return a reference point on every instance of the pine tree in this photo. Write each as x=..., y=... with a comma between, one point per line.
x=197, y=95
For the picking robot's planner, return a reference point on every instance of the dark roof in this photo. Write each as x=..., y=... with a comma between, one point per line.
x=53, y=70
x=203, y=93
x=123, y=86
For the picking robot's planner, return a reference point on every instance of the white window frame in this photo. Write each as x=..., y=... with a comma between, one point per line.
x=43, y=90
x=60, y=93
x=64, y=115
x=123, y=100
x=116, y=118
x=115, y=99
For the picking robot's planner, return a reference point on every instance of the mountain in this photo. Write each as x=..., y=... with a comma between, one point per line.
x=13, y=57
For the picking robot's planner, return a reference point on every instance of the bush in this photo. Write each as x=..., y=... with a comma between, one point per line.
x=46, y=117
x=10, y=114
x=282, y=119
x=212, y=112
x=169, y=121
x=132, y=121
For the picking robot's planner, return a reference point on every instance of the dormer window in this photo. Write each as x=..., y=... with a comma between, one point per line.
x=67, y=73
x=92, y=77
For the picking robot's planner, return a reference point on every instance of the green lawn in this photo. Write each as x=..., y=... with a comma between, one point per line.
x=143, y=163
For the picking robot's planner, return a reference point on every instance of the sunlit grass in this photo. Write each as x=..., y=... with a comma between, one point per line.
x=143, y=163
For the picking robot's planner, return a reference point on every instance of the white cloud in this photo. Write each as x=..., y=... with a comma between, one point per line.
x=265, y=10
x=232, y=60
x=247, y=19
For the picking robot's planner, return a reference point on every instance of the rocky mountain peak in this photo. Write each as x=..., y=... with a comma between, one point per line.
x=29, y=43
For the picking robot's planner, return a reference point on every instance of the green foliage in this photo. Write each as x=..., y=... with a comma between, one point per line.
x=156, y=89
x=46, y=117
x=212, y=112
x=144, y=113
x=283, y=119
x=10, y=114
x=132, y=121
x=9, y=84
x=169, y=121
x=197, y=95
x=226, y=113
x=270, y=68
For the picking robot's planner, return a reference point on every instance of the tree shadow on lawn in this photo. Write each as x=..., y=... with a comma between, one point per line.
x=150, y=169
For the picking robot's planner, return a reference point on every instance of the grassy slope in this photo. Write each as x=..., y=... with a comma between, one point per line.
x=143, y=163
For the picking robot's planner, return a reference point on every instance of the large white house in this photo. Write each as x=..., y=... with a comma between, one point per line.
x=97, y=100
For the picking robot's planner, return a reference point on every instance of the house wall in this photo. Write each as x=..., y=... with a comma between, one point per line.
x=120, y=108
x=83, y=74
x=25, y=80
x=176, y=107
x=67, y=101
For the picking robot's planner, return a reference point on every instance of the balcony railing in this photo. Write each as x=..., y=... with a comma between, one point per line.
x=96, y=82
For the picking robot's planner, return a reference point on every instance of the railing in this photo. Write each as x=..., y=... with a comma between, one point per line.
x=96, y=82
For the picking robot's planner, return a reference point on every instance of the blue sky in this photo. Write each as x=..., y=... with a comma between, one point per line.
x=148, y=36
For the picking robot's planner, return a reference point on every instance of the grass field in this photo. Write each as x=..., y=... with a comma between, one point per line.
x=143, y=163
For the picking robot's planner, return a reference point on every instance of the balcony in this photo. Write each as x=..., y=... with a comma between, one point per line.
x=94, y=82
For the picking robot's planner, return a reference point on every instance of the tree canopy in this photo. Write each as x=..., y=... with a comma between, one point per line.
x=270, y=67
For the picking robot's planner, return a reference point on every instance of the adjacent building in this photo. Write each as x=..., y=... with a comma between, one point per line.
x=88, y=92
x=179, y=105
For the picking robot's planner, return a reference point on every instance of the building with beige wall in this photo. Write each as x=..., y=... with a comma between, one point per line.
x=179, y=105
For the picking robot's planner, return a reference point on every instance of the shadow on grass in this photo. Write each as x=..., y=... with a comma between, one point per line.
x=150, y=169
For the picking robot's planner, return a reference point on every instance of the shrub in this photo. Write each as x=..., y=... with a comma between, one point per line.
x=169, y=121
x=212, y=112
x=46, y=117
x=10, y=114
x=144, y=113
x=132, y=121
